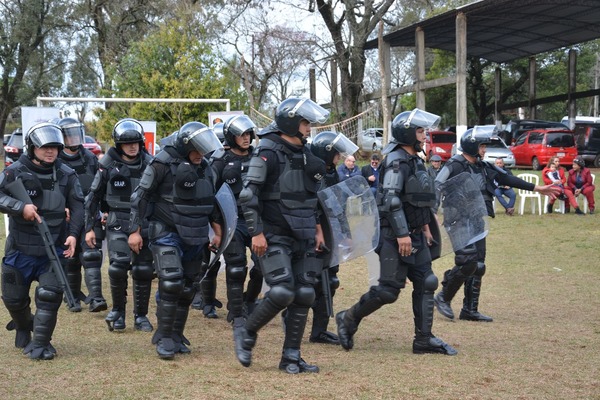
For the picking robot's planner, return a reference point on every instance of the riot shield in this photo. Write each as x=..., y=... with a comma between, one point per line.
x=228, y=208
x=464, y=214
x=350, y=219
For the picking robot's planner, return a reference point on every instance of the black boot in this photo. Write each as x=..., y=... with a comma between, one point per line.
x=141, y=297
x=245, y=341
x=163, y=337
x=427, y=343
x=93, y=281
x=579, y=212
x=319, y=333
x=471, y=301
x=292, y=363
x=72, y=268
x=208, y=288
x=47, y=303
x=22, y=324
x=453, y=280
x=181, y=342
x=346, y=328
x=117, y=275
x=115, y=320
x=549, y=208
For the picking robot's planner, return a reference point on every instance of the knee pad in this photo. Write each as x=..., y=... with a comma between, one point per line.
x=281, y=296
x=167, y=262
x=385, y=294
x=468, y=269
x=170, y=290
x=92, y=258
x=305, y=296
x=236, y=273
x=118, y=249
x=14, y=288
x=48, y=295
x=430, y=283
x=308, y=268
x=334, y=282
x=480, y=271
x=118, y=271
x=235, y=253
x=276, y=266
x=142, y=272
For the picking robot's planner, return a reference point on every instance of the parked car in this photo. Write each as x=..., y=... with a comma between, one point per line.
x=14, y=148
x=515, y=128
x=371, y=139
x=440, y=143
x=537, y=146
x=587, y=139
x=91, y=144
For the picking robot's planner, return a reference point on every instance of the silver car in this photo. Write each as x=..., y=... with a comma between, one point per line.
x=371, y=139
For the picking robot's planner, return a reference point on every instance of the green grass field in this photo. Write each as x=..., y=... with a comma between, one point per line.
x=541, y=287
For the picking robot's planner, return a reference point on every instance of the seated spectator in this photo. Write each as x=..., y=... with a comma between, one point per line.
x=505, y=191
x=348, y=169
x=567, y=194
x=436, y=166
x=371, y=173
x=580, y=182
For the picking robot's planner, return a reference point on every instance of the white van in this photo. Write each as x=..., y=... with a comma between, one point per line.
x=581, y=119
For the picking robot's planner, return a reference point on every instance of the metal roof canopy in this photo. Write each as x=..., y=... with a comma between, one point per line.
x=505, y=30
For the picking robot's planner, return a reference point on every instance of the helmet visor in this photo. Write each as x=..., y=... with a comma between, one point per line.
x=73, y=134
x=128, y=131
x=343, y=145
x=484, y=130
x=422, y=119
x=239, y=124
x=204, y=140
x=310, y=111
x=46, y=135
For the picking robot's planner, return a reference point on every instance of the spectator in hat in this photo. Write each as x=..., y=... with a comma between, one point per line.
x=436, y=165
x=371, y=173
x=580, y=182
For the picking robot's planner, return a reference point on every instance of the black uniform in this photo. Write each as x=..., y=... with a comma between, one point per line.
x=52, y=189
x=85, y=164
x=404, y=198
x=279, y=200
x=470, y=261
x=110, y=193
x=179, y=200
x=231, y=168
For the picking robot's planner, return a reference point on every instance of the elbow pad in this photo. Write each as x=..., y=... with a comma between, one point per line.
x=257, y=171
x=253, y=222
x=397, y=219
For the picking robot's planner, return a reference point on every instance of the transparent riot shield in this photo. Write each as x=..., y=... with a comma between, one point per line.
x=228, y=208
x=463, y=213
x=350, y=219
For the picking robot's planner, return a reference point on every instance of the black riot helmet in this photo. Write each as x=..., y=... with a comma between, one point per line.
x=237, y=126
x=44, y=134
x=473, y=138
x=73, y=132
x=405, y=125
x=128, y=130
x=292, y=111
x=327, y=144
x=196, y=136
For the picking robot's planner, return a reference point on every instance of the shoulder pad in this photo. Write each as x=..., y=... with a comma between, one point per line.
x=266, y=143
x=106, y=161
x=64, y=168
x=400, y=156
x=389, y=148
x=163, y=157
x=147, y=158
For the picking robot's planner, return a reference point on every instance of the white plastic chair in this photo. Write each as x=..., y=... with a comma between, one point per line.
x=526, y=194
x=559, y=203
x=585, y=202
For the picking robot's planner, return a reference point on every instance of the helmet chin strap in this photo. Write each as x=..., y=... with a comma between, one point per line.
x=43, y=163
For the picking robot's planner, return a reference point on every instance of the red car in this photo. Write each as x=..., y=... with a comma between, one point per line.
x=537, y=146
x=91, y=144
x=440, y=143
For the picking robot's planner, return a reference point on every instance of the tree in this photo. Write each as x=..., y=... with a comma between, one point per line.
x=31, y=55
x=173, y=62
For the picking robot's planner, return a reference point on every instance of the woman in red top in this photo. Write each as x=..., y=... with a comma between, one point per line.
x=580, y=182
x=567, y=195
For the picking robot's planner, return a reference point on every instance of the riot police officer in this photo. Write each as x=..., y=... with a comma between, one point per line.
x=470, y=261
x=178, y=186
x=404, y=198
x=85, y=163
x=329, y=147
x=279, y=202
x=119, y=173
x=230, y=167
x=52, y=187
